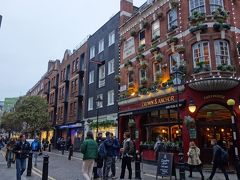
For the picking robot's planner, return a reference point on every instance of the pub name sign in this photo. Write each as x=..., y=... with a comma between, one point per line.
x=158, y=101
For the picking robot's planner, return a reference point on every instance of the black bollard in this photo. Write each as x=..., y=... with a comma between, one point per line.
x=45, y=167
x=137, y=166
x=49, y=147
x=62, y=149
x=29, y=167
x=70, y=152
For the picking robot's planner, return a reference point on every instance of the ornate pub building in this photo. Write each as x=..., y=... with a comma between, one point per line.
x=179, y=74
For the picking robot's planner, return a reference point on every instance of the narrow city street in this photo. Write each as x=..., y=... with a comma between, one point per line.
x=60, y=168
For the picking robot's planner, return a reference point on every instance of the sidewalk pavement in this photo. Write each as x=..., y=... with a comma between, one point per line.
x=149, y=171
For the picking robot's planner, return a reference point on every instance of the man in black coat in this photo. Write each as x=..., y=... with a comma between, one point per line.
x=21, y=149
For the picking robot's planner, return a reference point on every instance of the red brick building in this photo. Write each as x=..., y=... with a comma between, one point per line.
x=179, y=66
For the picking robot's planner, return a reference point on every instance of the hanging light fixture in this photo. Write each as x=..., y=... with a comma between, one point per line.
x=230, y=102
x=192, y=107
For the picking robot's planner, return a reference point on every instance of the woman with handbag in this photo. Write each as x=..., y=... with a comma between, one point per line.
x=193, y=159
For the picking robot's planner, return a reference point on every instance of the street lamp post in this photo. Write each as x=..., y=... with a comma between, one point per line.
x=98, y=100
x=181, y=163
x=231, y=103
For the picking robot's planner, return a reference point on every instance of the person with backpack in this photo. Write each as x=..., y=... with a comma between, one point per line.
x=89, y=149
x=107, y=153
x=36, y=149
x=116, y=147
x=128, y=154
x=219, y=159
x=193, y=159
x=21, y=149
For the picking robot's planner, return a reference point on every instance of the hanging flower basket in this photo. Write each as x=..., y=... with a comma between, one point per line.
x=131, y=123
x=142, y=90
x=117, y=78
x=221, y=26
x=180, y=49
x=159, y=58
x=189, y=121
x=145, y=24
x=133, y=33
x=174, y=3
x=197, y=18
x=141, y=48
x=155, y=50
x=172, y=40
x=143, y=64
x=140, y=57
x=220, y=15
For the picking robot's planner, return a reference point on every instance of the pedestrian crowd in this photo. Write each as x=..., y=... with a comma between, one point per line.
x=100, y=155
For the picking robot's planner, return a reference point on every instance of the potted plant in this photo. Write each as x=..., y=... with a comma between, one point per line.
x=133, y=33
x=196, y=18
x=143, y=64
x=159, y=57
x=172, y=40
x=142, y=90
x=220, y=15
x=141, y=48
x=180, y=49
x=155, y=50
x=117, y=78
x=128, y=63
x=140, y=57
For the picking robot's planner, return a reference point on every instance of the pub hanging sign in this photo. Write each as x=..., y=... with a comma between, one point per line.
x=158, y=101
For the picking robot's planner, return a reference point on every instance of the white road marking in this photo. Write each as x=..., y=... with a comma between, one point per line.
x=39, y=173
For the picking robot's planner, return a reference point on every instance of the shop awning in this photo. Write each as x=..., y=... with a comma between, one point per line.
x=172, y=105
x=65, y=126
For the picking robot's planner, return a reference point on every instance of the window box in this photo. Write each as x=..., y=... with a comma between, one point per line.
x=133, y=33
x=201, y=67
x=173, y=3
x=154, y=86
x=180, y=49
x=173, y=40
x=220, y=15
x=197, y=18
x=140, y=57
x=142, y=90
x=221, y=26
x=224, y=67
x=155, y=50
x=141, y=48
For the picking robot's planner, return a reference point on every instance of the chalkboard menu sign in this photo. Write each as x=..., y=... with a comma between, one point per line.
x=165, y=165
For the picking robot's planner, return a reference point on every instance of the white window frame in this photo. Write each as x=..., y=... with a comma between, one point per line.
x=155, y=29
x=110, y=98
x=99, y=104
x=90, y=103
x=174, y=21
x=111, y=38
x=222, y=50
x=202, y=57
x=176, y=58
x=101, y=76
x=196, y=6
x=101, y=46
x=111, y=66
x=140, y=74
x=92, y=52
x=91, y=77
x=215, y=4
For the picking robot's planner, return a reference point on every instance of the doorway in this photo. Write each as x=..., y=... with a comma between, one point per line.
x=213, y=121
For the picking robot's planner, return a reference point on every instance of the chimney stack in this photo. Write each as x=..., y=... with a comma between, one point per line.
x=126, y=8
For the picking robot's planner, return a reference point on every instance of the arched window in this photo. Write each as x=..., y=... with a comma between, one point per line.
x=172, y=19
x=197, y=5
x=201, y=53
x=222, y=52
x=215, y=4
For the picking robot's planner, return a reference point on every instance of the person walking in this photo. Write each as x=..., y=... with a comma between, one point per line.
x=127, y=151
x=1, y=142
x=9, y=153
x=21, y=149
x=108, y=143
x=116, y=147
x=36, y=149
x=193, y=159
x=217, y=160
x=98, y=173
x=89, y=149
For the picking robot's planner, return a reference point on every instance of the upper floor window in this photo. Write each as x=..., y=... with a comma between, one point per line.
x=155, y=29
x=142, y=74
x=110, y=97
x=76, y=65
x=142, y=38
x=101, y=76
x=130, y=76
x=215, y=4
x=111, y=38
x=92, y=52
x=73, y=66
x=201, y=53
x=222, y=52
x=91, y=77
x=101, y=46
x=174, y=62
x=90, y=103
x=111, y=66
x=157, y=70
x=172, y=19
x=100, y=102
x=197, y=5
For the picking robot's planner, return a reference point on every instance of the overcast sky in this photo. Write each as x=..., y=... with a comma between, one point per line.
x=35, y=31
